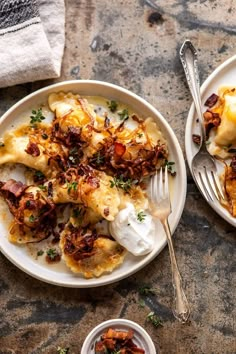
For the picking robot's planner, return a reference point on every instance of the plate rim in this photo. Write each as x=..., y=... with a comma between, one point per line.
x=96, y=282
x=188, y=131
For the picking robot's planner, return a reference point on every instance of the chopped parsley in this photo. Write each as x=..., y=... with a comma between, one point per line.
x=71, y=186
x=62, y=350
x=36, y=117
x=32, y=218
x=112, y=105
x=170, y=167
x=154, y=319
x=42, y=187
x=40, y=253
x=141, y=216
x=98, y=159
x=124, y=114
x=146, y=290
x=52, y=253
x=120, y=183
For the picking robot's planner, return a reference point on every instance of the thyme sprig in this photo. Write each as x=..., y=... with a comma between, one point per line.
x=154, y=319
x=36, y=117
x=120, y=183
x=141, y=216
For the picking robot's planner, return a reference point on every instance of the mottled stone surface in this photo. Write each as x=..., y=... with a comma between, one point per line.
x=135, y=44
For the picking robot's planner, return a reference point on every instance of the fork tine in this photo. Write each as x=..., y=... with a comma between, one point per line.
x=161, y=190
x=211, y=183
x=166, y=185
x=218, y=186
x=201, y=183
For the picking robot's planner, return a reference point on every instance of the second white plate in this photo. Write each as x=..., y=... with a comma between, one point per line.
x=225, y=75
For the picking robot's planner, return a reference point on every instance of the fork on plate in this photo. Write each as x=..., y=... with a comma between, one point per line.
x=203, y=165
x=161, y=209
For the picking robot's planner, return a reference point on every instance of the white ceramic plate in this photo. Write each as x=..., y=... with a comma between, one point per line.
x=225, y=74
x=59, y=274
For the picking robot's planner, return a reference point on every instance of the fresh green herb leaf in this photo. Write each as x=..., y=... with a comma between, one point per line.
x=32, y=218
x=124, y=114
x=40, y=253
x=112, y=105
x=98, y=159
x=62, y=350
x=154, y=319
x=28, y=204
x=146, y=290
x=141, y=303
x=170, y=167
x=36, y=117
x=140, y=135
x=141, y=216
x=120, y=183
x=42, y=187
x=72, y=186
x=2, y=144
x=52, y=253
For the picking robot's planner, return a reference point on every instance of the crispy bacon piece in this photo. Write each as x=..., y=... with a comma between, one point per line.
x=14, y=187
x=117, y=341
x=119, y=149
x=211, y=101
x=211, y=120
x=79, y=243
x=32, y=149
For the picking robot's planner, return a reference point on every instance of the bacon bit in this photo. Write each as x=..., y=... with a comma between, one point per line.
x=79, y=243
x=233, y=164
x=196, y=139
x=211, y=101
x=119, y=149
x=121, y=341
x=93, y=182
x=32, y=149
x=16, y=188
x=106, y=211
x=50, y=189
x=212, y=120
x=106, y=122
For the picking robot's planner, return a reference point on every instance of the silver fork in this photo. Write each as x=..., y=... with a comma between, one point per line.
x=203, y=165
x=161, y=209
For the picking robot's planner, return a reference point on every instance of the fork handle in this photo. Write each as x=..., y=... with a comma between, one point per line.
x=181, y=310
x=188, y=57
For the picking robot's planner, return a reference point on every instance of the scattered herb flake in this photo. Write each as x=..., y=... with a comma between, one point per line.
x=72, y=186
x=140, y=135
x=146, y=290
x=98, y=159
x=40, y=253
x=170, y=167
x=141, y=216
x=52, y=253
x=32, y=218
x=154, y=319
x=120, y=183
x=42, y=187
x=36, y=117
x=112, y=105
x=123, y=114
x=62, y=350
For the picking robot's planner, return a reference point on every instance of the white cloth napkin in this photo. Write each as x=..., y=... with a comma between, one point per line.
x=32, y=37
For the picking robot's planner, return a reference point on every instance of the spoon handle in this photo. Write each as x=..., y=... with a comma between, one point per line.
x=188, y=57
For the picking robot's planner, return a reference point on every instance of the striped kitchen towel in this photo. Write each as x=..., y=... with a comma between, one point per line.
x=32, y=37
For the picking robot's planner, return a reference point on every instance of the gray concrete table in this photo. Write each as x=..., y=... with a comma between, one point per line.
x=135, y=44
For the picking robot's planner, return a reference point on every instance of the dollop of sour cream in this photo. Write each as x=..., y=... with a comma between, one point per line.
x=136, y=236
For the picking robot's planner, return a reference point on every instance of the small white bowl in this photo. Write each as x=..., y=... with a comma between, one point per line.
x=141, y=337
